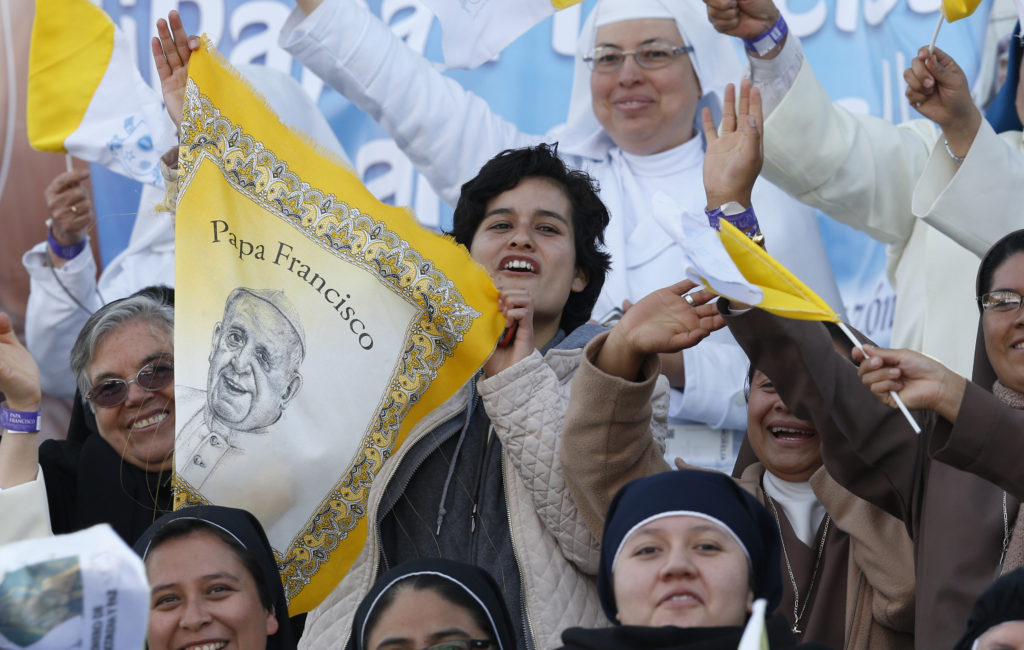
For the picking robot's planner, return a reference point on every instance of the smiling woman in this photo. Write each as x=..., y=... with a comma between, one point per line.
x=214, y=583
x=123, y=360
x=683, y=556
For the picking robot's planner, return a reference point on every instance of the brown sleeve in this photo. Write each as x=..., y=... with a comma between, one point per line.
x=987, y=439
x=608, y=437
x=880, y=549
x=867, y=447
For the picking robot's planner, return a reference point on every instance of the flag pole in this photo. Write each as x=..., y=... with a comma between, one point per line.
x=893, y=394
x=935, y=36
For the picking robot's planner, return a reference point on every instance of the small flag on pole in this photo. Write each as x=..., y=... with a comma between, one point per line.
x=759, y=274
x=755, y=634
x=954, y=10
x=86, y=96
x=476, y=32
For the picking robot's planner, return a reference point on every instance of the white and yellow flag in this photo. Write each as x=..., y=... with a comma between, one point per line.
x=86, y=96
x=476, y=31
x=755, y=634
x=314, y=327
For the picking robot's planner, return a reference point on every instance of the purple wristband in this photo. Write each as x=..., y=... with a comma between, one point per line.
x=62, y=251
x=20, y=421
x=768, y=41
x=745, y=222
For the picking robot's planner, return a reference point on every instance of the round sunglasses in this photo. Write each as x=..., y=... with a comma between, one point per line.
x=111, y=392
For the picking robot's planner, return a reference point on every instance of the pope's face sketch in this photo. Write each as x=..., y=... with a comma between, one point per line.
x=254, y=364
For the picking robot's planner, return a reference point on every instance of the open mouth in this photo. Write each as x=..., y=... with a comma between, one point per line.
x=791, y=433
x=519, y=265
x=213, y=645
x=152, y=420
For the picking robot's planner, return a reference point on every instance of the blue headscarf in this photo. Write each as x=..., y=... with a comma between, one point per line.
x=1002, y=113
x=709, y=495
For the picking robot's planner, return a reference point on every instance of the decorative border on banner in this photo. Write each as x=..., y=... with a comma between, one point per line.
x=443, y=319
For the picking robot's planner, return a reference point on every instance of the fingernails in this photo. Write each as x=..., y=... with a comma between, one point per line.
x=193, y=42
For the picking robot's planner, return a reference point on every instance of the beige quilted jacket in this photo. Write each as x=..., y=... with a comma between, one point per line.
x=556, y=552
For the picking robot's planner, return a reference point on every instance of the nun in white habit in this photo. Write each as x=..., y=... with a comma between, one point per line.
x=632, y=126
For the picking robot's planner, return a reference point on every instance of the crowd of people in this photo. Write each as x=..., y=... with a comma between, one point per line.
x=536, y=508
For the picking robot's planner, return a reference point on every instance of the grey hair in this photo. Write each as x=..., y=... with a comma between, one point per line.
x=145, y=306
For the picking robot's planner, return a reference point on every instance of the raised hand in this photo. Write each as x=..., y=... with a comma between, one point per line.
x=172, y=49
x=938, y=89
x=71, y=212
x=662, y=322
x=517, y=306
x=921, y=381
x=19, y=374
x=742, y=18
x=734, y=156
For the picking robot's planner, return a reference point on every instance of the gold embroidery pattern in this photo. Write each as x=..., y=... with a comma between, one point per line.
x=443, y=316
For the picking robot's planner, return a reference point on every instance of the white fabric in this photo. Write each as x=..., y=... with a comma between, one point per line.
x=26, y=513
x=800, y=505
x=613, y=11
x=473, y=33
x=449, y=134
x=125, y=127
x=714, y=61
x=53, y=319
x=897, y=184
x=293, y=105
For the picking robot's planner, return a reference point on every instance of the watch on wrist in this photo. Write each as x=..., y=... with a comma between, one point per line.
x=742, y=218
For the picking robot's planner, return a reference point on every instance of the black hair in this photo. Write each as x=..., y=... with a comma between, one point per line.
x=1003, y=249
x=184, y=527
x=443, y=587
x=589, y=215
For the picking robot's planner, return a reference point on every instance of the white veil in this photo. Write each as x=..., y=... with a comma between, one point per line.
x=714, y=60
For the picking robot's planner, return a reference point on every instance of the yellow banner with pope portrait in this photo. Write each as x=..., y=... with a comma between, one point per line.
x=314, y=327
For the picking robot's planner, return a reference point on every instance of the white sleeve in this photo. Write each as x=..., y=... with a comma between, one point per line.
x=59, y=303
x=447, y=132
x=715, y=373
x=974, y=203
x=857, y=169
x=61, y=300
x=774, y=77
x=24, y=511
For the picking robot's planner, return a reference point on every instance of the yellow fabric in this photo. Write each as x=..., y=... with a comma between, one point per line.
x=957, y=9
x=784, y=294
x=262, y=208
x=562, y=4
x=72, y=41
